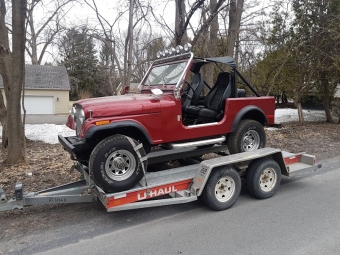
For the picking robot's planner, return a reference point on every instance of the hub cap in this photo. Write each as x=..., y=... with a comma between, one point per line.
x=251, y=141
x=268, y=179
x=224, y=189
x=120, y=165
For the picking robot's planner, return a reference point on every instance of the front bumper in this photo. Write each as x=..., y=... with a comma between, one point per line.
x=78, y=148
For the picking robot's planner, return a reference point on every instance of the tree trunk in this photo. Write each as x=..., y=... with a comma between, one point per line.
x=235, y=14
x=4, y=56
x=326, y=96
x=33, y=42
x=211, y=46
x=180, y=30
x=129, y=59
x=300, y=113
x=15, y=70
x=327, y=108
x=3, y=121
x=297, y=103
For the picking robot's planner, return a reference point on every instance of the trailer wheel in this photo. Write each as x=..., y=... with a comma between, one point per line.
x=263, y=178
x=115, y=165
x=222, y=189
x=249, y=136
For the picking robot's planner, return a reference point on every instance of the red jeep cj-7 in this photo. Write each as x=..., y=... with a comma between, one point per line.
x=114, y=134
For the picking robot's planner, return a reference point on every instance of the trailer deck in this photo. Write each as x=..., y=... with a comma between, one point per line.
x=173, y=186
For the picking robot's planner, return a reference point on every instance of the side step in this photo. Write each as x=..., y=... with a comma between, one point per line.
x=196, y=143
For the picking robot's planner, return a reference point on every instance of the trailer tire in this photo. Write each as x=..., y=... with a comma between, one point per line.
x=222, y=189
x=114, y=164
x=263, y=178
x=249, y=136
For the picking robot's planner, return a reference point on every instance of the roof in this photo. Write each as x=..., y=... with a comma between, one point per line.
x=199, y=62
x=45, y=77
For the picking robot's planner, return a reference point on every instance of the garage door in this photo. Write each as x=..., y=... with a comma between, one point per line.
x=39, y=105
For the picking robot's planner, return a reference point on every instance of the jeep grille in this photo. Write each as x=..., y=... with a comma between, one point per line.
x=77, y=118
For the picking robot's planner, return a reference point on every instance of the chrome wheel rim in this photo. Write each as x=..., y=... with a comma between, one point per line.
x=120, y=165
x=268, y=179
x=224, y=189
x=251, y=141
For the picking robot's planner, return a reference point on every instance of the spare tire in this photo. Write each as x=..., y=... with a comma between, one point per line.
x=114, y=164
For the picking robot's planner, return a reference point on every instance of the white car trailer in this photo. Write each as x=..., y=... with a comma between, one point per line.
x=217, y=181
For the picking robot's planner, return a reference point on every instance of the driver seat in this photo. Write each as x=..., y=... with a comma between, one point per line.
x=215, y=100
x=192, y=95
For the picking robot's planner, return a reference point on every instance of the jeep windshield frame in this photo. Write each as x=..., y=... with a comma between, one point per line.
x=167, y=74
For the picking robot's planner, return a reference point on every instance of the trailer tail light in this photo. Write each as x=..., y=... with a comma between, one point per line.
x=292, y=160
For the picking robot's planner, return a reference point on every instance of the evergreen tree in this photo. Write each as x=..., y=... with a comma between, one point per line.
x=317, y=24
x=78, y=51
x=108, y=78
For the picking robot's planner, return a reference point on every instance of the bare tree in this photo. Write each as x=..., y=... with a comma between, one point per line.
x=123, y=46
x=235, y=14
x=42, y=33
x=209, y=41
x=12, y=69
x=3, y=120
x=129, y=46
x=184, y=15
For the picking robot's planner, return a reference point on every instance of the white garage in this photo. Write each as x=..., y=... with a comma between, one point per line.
x=46, y=89
x=39, y=105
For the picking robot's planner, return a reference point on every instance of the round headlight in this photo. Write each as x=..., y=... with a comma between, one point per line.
x=179, y=49
x=81, y=115
x=73, y=111
x=187, y=47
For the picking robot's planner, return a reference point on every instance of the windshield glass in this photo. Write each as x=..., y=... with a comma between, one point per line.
x=168, y=74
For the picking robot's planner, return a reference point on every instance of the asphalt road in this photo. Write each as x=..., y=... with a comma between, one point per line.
x=301, y=218
x=45, y=119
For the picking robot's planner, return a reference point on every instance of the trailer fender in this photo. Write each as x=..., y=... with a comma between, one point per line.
x=278, y=157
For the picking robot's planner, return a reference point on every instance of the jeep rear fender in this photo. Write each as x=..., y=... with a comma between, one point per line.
x=97, y=131
x=249, y=112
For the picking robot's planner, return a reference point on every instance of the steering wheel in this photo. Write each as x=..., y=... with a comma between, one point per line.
x=186, y=91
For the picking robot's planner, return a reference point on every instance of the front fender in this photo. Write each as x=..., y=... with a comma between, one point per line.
x=92, y=131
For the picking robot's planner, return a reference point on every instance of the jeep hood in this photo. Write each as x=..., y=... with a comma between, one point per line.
x=129, y=104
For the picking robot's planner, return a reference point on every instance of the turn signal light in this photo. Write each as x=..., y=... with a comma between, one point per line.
x=103, y=122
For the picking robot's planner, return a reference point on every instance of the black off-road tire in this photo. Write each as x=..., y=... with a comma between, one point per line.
x=114, y=164
x=263, y=178
x=222, y=189
x=249, y=136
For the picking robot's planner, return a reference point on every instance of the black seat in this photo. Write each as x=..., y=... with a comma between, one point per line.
x=215, y=100
x=192, y=95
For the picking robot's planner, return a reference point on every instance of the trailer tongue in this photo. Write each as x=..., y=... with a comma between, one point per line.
x=216, y=180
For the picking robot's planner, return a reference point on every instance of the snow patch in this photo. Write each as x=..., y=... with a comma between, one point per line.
x=291, y=115
x=47, y=133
